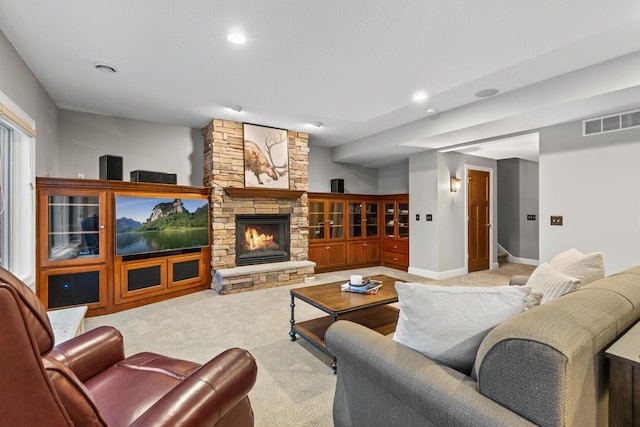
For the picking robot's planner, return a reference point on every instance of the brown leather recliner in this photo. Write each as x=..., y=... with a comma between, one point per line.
x=87, y=381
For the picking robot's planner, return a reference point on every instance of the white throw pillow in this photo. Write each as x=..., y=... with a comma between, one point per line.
x=551, y=282
x=587, y=268
x=448, y=323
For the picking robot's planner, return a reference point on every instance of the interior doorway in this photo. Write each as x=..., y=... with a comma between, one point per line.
x=478, y=219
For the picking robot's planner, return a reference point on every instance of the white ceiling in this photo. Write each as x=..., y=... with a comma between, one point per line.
x=352, y=65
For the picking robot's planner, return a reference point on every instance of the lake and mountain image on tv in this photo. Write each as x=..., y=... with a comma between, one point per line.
x=153, y=224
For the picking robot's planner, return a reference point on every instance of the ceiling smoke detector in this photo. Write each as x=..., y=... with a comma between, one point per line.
x=105, y=68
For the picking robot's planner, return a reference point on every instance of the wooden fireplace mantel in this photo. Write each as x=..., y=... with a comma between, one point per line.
x=263, y=192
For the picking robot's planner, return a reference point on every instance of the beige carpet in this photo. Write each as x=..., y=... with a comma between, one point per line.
x=295, y=385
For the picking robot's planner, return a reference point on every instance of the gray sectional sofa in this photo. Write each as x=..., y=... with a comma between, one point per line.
x=543, y=367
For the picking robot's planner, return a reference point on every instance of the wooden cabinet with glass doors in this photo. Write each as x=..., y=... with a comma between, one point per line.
x=72, y=259
x=327, y=245
x=363, y=223
x=395, y=238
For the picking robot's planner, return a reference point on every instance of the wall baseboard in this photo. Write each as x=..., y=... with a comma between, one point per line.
x=437, y=275
x=525, y=261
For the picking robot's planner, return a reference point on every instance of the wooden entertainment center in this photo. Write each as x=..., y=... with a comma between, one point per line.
x=76, y=255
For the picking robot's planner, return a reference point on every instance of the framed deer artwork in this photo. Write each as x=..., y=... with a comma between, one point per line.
x=266, y=157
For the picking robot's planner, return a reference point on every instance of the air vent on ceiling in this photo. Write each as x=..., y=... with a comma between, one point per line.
x=614, y=122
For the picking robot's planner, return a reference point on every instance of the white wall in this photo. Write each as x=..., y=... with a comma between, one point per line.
x=143, y=145
x=357, y=179
x=592, y=182
x=20, y=85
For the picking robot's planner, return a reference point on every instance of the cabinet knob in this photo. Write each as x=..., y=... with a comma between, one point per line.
x=102, y=227
x=395, y=246
x=395, y=259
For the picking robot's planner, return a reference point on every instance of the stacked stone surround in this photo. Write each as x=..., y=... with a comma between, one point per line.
x=224, y=168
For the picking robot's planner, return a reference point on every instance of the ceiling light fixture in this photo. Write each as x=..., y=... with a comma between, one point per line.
x=431, y=110
x=420, y=96
x=484, y=93
x=236, y=108
x=105, y=68
x=237, y=38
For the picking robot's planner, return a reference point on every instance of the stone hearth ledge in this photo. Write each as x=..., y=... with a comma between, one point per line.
x=261, y=276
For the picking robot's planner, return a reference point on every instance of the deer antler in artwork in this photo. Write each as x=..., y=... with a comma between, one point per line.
x=270, y=141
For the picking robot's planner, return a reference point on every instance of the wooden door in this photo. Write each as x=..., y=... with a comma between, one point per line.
x=479, y=219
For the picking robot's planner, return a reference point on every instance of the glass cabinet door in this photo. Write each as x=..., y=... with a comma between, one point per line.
x=336, y=219
x=74, y=227
x=371, y=219
x=403, y=220
x=355, y=219
x=316, y=220
x=389, y=219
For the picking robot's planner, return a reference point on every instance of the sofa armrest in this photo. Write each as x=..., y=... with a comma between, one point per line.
x=208, y=394
x=90, y=353
x=381, y=382
x=518, y=280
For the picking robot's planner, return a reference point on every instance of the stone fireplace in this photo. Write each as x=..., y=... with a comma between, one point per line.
x=230, y=202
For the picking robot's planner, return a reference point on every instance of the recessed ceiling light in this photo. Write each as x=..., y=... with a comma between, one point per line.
x=237, y=38
x=486, y=92
x=420, y=96
x=105, y=68
x=236, y=108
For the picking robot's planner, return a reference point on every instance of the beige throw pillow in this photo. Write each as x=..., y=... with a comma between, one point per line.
x=551, y=283
x=587, y=268
x=448, y=323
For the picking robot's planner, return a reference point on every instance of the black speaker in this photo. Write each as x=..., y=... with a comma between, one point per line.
x=337, y=185
x=111, y=168
x=157, y=177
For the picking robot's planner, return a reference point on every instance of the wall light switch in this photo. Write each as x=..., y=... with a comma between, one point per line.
x=531, y=217
x=429, y=217
x=417, y=217
x=556, y=220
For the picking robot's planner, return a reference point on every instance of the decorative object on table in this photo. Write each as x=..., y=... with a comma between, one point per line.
x=368, y=287
x=266, y=157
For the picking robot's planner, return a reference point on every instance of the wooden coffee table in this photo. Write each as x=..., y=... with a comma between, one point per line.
x=371, y=311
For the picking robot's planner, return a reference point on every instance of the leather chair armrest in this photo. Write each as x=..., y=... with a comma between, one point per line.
x=518, y=280
x=90, y=353
x=221, y=384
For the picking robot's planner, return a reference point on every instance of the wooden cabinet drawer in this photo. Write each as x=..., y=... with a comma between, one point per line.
x=395, y=258
x=398, y=246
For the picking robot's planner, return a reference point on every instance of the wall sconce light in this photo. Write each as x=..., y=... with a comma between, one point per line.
x=455, y=184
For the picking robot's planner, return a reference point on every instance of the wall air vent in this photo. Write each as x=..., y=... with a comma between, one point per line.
x=614, y=122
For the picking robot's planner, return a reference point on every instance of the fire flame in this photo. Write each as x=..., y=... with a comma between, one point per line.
x=256, y=240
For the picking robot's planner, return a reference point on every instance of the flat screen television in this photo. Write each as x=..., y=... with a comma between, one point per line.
x=160, y=224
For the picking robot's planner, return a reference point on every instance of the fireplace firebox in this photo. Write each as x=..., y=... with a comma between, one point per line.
x=262, y=239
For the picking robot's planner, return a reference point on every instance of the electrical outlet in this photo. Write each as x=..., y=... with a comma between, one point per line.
x=556, y=220
x=429, y=217
x=80, y=175
x=531, y=217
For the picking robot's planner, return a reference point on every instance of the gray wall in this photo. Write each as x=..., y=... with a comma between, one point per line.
x=357, y=179
x=591, y=182
x=20, y=85
x=438, y=248
x=394, y=179
x=143, y=145
x=518, y=197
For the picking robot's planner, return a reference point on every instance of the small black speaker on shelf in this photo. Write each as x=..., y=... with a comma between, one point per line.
x=111, y=167
x=337, y=185
x=157, y=177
